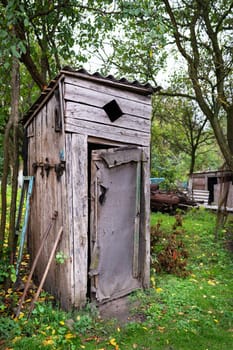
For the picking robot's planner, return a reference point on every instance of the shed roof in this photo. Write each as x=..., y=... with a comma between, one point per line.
x=212, y=173
x=123, y=83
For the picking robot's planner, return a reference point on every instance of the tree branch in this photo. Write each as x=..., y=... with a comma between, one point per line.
x=176, y=94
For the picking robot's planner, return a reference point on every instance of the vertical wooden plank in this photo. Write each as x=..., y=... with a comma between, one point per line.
x=49, y=192
x=145, y=219
x=68, y=214
x=64, y=272
x=79, y=154
x=37, y=189
x=31, y=156
x=137, y=221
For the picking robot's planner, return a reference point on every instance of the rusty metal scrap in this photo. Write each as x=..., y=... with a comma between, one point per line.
x=168, y=201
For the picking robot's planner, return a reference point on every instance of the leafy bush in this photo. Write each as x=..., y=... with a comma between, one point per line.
x=7, y=271
x=168, y=253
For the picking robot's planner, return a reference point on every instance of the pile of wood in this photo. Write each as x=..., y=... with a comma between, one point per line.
x=168, y=201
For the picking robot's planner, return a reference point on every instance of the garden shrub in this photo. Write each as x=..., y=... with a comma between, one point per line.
x=168, y=252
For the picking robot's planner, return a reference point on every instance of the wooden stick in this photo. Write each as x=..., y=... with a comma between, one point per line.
x=35, y=262
x=45, y=272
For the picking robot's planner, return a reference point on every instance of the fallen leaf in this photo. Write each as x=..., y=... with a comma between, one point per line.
x=113, y=341
x=161, y=329
x=69, y=336
x=48, y=342
x=211, y=283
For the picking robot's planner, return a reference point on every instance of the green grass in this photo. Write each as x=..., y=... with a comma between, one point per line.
x=194, y=312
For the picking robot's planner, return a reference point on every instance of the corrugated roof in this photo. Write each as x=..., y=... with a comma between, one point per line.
x=136, y=86
x=147, y=87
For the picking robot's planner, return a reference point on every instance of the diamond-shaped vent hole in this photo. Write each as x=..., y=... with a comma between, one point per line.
x=113, y=110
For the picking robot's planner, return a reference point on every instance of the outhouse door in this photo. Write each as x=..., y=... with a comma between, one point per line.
x=115, y=222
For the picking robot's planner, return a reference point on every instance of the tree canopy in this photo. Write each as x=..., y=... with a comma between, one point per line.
x=200, y=33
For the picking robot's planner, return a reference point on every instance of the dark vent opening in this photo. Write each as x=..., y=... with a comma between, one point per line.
x=113, y=110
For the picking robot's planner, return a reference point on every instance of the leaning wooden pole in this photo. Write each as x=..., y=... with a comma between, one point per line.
x=45, y=272
x=35, y=263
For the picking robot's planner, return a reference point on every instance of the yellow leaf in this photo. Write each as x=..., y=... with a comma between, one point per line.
x=69, y=336
x=62, y=323
x=48, y=342
x=21, y=315
x=113, y=341
x=16, y=339
x=211, y=283
x=161, y=329
x=159, y=290
x=82, y=346
x=216, y=321
x=118, y=329
x=41, y=299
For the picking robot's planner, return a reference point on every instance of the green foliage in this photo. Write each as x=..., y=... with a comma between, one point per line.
x=60, y=257
x=181, y=140
x=7, y=271
x=9, y=328
x=82, y=324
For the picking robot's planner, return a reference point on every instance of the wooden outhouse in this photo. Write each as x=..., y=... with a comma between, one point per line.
x=88, y=147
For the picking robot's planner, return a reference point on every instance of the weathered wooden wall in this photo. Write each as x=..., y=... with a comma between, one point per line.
x=48, y=197
x=84, y=113
x=199, y=182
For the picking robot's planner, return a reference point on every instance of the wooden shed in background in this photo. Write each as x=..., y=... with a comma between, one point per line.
x=212, y=183
x=88, y=147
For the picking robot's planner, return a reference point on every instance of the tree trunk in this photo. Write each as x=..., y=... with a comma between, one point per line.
x=222, y=142
x=192, y=161
x=15, y=85
x=4, y=183
x=230, y=128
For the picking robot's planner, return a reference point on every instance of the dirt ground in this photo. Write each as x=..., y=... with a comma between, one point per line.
x=122, y=309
